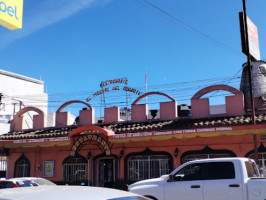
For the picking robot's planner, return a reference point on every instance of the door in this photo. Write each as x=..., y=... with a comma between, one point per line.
x=107, y=172
x=187, y=184
x=222, y=182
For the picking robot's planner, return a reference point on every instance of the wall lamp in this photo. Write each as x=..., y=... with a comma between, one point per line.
x=121, y=154
x=176, y=152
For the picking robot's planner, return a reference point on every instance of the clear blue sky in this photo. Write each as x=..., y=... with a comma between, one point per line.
x=73, y=45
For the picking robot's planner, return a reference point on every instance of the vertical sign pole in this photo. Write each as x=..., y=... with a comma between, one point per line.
x=250, y=79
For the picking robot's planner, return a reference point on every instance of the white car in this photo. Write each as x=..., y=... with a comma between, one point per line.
x=67, y=193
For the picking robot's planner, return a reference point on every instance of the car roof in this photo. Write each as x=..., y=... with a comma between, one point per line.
x=64, y=192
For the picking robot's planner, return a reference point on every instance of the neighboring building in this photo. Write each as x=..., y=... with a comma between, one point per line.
x=17, y=92
x=147, y=146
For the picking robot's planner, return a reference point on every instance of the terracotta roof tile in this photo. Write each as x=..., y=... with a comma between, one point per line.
x=131, y=127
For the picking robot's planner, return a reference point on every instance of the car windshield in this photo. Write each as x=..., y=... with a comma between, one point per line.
x=24, y=183
x=41, y=181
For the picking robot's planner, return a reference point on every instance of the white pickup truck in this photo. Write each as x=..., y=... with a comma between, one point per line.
x=208, y=179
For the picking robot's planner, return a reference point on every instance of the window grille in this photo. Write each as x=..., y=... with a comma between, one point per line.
x=145, y=167
x=3, y=166
x=261, y=162
x=3, y=163
x=22, y=167
x=74, y=169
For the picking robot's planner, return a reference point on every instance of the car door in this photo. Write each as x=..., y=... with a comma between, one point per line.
x=222, y=182
x=186, y=184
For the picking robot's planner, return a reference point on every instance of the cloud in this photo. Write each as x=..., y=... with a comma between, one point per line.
x=40, y=14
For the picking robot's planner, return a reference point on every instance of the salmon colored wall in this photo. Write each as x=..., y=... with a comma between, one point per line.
x=240, y=145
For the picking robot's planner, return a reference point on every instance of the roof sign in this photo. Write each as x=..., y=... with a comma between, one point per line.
x=253, y=38
x=11, y=14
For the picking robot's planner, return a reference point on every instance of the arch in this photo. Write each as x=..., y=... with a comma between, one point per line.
x=261, y=149
x=71, y=102
x=75, y=159
x=212, y=88
x=152, y=93
x=24, y=161
x=207, y=150
x=39, y=121
x=90, y=128
x=27, y=109
x=90, y=133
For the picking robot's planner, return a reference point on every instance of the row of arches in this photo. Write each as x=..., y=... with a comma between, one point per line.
x=200, y=108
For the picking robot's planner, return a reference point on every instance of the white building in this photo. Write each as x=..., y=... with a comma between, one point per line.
x=16, y=92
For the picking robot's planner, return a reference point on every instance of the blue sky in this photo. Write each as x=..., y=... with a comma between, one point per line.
x=73, y=45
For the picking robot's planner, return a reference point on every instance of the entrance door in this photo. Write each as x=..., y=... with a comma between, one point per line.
x=107, y=172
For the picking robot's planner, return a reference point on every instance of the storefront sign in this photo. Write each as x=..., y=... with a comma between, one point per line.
x=92, y=137
x=181, y=131
x=114, y=88
x=114, y=81
x=11, y=14
x=43, y=140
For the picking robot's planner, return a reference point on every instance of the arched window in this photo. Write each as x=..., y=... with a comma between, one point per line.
x=148, y=166
x=206, y=153
x=261, y=158
x=74, y=169
x=261, y=162
x=22, y=167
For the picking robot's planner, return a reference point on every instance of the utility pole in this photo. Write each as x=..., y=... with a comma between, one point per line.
x=250, y=79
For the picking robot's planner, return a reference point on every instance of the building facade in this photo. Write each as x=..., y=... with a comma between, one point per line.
x=117, y=152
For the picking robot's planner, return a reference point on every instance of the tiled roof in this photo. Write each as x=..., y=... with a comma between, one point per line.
x=130, y=127
x=34, y=134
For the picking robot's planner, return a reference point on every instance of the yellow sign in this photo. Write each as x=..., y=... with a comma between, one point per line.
x=11, y=14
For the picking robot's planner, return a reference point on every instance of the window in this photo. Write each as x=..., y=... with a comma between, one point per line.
x=22, y=167
x=252, y=170
x=3, y=166
x=74, y=169
x=190, y=173
x=145, y=167
x=220, y=170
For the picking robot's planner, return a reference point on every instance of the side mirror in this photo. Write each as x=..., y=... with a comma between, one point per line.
x=171, y=178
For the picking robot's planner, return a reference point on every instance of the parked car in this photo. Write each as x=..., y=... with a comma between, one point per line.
x=209, y=179
x=7, y=184
x=68, y=193
x=16, y=182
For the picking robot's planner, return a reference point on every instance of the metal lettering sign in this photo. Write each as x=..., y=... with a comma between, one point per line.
x=11, y=14
x=92, y=137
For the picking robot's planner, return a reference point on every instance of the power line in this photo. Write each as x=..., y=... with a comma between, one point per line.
x=192, y=29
